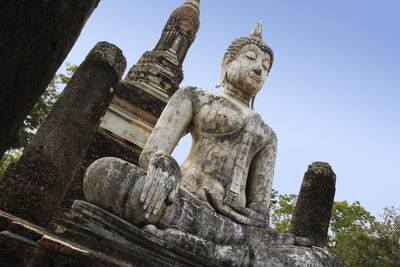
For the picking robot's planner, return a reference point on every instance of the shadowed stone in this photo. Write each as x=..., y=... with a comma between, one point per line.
x=25, y=244
x=40, y=179
x=36, y=36
x=313, y=209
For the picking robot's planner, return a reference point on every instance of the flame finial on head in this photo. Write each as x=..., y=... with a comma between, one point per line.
x=257, y=31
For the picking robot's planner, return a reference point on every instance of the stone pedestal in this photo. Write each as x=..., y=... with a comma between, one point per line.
x=99, y=230
x=91, y=236
x=95, y=228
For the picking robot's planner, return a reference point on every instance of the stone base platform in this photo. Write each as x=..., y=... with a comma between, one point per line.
x=91, y=236
x=95, y=228
x=26, y=244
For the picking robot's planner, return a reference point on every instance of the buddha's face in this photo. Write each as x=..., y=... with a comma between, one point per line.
x=249, y=70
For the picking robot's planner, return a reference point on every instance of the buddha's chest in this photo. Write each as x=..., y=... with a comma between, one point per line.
x=217, y=115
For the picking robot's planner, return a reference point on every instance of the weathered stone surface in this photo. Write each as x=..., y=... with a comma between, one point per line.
x=116, y=186
x=96, y=229
x=133, y=108
x=220, y=210
x=149, y=84
x=133, y=97
x=226, y=255
x=126, y=126
x=293, y=256
x=230, y=142
x=43, y=174
x=313, y=209
x=25, y=244
x=99, y=230
x=197, y=224
x=28, y=231
x=137, y=99
x=180, y=30
x=142, y=96
x=36, y=36
x=230, y=165
x=159, y=69
x=104, y=144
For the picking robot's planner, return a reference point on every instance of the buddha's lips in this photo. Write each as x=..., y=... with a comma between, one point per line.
x=255, y=77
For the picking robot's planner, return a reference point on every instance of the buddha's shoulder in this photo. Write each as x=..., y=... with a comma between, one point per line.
x=196, y=92
x=259, y=125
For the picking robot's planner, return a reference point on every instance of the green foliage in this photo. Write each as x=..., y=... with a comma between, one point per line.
x=36, y=116
x=354, y=235
x=373, y=244
x=388, y=237
x=65, y=78
x=281, y=210
x=350, y=232
x=12, y=156
x=346, y=218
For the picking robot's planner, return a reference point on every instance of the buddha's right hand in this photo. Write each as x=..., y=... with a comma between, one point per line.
x=162, y=181
x=240, y=215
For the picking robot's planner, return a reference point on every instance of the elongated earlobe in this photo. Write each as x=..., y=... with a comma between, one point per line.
x=222, y=78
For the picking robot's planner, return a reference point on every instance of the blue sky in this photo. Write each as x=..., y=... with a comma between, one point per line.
x=333, y=92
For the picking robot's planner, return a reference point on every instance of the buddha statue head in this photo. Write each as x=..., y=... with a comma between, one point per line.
x=246, y=64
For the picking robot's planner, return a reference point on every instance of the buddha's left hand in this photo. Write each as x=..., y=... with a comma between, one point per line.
x=238, y=214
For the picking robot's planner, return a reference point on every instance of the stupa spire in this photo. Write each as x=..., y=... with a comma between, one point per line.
x=195, y=4
x=180, y=30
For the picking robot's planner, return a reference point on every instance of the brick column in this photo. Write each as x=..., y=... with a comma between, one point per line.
x=313, y=209
x=37, y=184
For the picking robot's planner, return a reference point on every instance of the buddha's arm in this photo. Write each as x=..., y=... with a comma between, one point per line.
x=261, y=176
x=170, y=127
x=163, y=172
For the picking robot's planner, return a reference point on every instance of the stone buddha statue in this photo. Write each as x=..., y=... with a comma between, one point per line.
x=222, y=190
x=216, y=204
x=233, y=151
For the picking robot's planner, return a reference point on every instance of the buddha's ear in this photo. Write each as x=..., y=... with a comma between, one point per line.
x=223, y=74
x=221, y=79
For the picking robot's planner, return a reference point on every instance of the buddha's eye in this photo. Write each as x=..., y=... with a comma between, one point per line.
x=251, y=55
x=265, y=65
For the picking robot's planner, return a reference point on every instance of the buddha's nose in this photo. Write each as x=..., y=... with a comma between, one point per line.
x=257, y=70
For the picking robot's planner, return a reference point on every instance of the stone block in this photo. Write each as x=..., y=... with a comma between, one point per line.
x=104, y=144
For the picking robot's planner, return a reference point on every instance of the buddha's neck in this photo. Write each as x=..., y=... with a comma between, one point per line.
x=237, y=94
